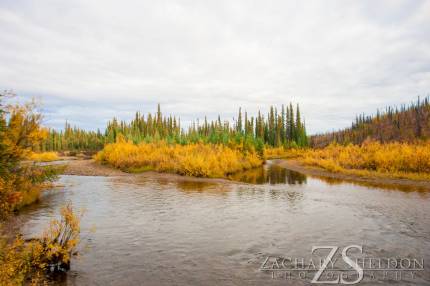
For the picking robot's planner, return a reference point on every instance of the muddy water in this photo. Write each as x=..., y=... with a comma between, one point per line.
x=162, y=231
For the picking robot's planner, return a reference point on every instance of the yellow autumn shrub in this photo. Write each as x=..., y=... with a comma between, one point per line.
x=20, y=182
x=199, y=160
x=282, y=152
x=400, y=160
x=29, y=261
x=43, y=157
x=274, y=152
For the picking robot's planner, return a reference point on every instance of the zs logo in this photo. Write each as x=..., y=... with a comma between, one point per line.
x=329, y=259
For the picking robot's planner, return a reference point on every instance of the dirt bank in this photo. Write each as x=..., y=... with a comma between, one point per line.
x=404, y=184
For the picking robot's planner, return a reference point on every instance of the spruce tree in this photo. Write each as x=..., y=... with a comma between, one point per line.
x=291, y=123
x=239, y=121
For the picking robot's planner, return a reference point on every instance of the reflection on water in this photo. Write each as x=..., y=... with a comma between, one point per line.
x=376, y=184
x=169, y=231
x=270, y=173
x=58, y=162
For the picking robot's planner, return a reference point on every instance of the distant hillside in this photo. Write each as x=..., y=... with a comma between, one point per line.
x=406, y=124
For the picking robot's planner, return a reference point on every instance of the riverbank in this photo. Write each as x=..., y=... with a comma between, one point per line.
x=92, y=168
x=297, y=166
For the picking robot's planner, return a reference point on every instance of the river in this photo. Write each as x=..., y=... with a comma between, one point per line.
x=164, y=231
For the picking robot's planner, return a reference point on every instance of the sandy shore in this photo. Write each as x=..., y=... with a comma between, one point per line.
x=92, y=168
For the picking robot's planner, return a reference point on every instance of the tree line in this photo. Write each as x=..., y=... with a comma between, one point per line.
x=279, y=127
x=73, y=139
x=405, y=124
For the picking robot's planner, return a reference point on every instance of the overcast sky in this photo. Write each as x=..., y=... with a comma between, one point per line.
x=88, y=61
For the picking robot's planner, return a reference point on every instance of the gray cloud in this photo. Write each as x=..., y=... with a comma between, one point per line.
x=91, y=60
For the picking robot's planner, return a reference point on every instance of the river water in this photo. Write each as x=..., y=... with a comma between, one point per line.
x=169, y=231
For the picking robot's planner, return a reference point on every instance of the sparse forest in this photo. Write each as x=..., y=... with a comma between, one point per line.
x=393, y=143
x=404, y=124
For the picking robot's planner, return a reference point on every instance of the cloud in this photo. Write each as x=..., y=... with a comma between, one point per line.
x=91, y=60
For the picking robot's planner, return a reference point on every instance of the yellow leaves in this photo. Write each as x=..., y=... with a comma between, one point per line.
x=12, y=264
x=20, y=184
x=200, y=160
x=23, y=127
x=21, y=132
x=282, y=152
x=43, y=157
x=20, y=261
x=400, y=160
x=275, y=152
x=9, y=197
